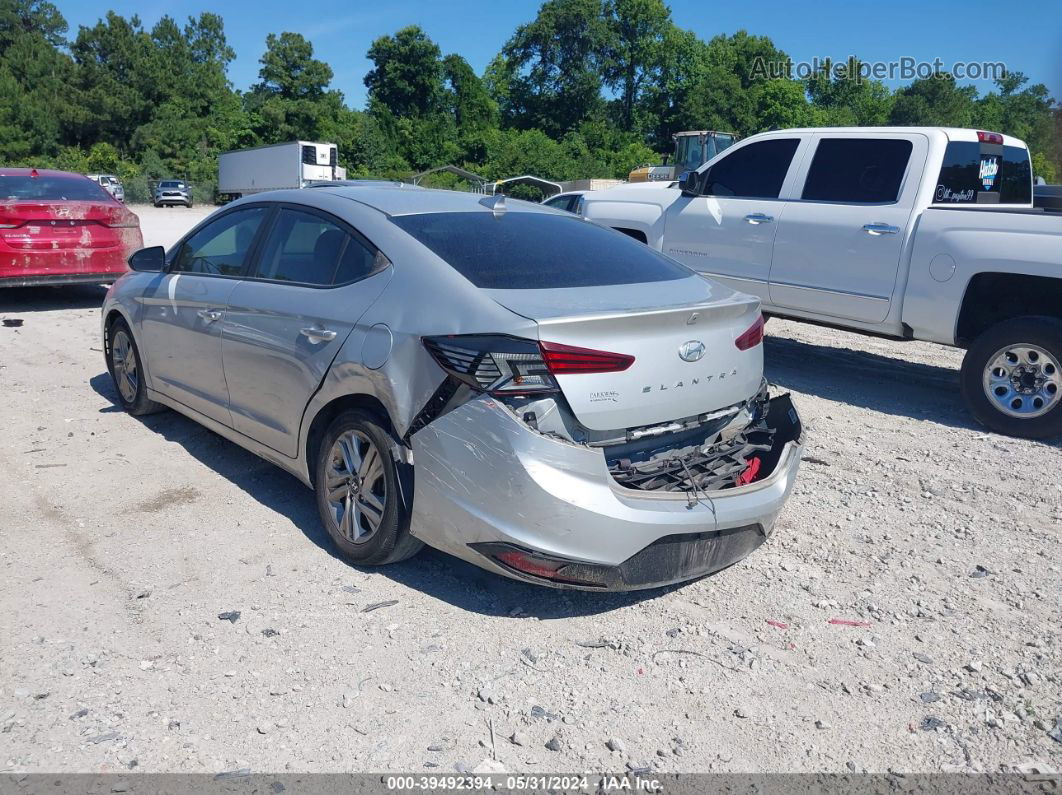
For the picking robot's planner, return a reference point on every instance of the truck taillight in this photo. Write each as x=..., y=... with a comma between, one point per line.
x=990, y=137
x=752, y=336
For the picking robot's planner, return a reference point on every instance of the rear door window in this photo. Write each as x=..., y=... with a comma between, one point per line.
x=306, y=248
x=221, y=247
x=857, y=170
x=755, y=171
x=983, y=173
x=532, y=250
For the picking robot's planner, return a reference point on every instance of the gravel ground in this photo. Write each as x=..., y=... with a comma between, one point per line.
x=125, y=540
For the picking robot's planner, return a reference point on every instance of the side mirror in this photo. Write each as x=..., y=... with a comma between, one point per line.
x=690, y=184
x=148, y=260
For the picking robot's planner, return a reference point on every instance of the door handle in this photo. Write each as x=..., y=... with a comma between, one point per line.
x=759, y=218
x=318, y=334
x=880, y=229
x=209, y=315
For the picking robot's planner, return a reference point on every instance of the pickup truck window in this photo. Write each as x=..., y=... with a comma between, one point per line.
x=857, y=170
x=974, y=174
x=756, y=171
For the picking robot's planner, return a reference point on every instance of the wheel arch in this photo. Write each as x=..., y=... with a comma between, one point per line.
x=113, y=314
x=330, y=411
x=991, y=298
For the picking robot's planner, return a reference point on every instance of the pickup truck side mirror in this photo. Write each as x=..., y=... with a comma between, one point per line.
x=690, y=184
x=148, y=260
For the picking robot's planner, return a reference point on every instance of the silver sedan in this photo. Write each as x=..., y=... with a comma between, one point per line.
x=511, y=384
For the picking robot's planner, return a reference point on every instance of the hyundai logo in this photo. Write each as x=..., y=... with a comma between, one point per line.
x=691, y=351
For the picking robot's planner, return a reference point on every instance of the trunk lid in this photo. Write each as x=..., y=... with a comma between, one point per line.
x=663, y=325
x=64, y=225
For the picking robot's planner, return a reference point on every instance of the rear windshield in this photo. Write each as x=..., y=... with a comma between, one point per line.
x=48, y=188
x=982, y=173
x=529, y=251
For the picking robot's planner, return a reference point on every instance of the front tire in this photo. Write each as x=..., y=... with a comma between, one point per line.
x=126, y=369
x=1012, y=377
x=357, y=486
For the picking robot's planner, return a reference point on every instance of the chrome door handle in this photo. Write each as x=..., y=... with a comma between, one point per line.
x=318, y=334
x=880, y=229
x=209, y=315
x=759, y=218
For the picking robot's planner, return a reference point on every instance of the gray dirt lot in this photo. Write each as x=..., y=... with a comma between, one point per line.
x=123, y=539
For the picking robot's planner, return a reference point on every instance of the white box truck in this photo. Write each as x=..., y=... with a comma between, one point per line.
x=295, y=164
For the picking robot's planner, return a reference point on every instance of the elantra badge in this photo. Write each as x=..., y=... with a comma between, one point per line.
x=691, y=351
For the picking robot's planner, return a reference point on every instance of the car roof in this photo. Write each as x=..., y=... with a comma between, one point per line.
x=407, y=200
x=41, y=172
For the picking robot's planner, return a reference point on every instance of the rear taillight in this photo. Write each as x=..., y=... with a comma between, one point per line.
x=504, y=365
x=568, y=360
x=989, y=137
x=124, y=219
x=752, y=337
x=493, y=362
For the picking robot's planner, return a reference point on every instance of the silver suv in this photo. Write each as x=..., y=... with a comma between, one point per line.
x=173, y=191
x=111, y=184
x=539, y=395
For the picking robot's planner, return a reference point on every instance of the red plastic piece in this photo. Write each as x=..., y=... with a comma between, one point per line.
x=778, y=624
x=847, y=622
x=750, y=472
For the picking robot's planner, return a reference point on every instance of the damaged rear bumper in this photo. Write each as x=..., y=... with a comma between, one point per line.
x=493, y=491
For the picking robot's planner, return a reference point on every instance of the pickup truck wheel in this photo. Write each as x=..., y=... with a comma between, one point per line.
x=357, y=491
x=1012, y=377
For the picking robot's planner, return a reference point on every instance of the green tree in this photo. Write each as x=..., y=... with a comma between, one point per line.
x=848, y=99
x=292, y=99
x=634, y=51
x=407, y=74
x=549, y=75
x=934, y=101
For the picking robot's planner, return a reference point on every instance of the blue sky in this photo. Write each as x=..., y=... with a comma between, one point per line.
x=1025, y=35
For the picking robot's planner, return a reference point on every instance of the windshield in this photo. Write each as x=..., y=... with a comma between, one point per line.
x=171, y=184
x=530, y=251
x=52, y=188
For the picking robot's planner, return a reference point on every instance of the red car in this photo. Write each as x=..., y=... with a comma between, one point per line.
x=62, y=228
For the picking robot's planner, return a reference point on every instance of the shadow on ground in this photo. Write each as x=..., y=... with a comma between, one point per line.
x=16, y=301
x=433, y=573
x=868, y=380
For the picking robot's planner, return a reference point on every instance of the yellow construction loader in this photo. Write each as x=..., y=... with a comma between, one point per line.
x=693, y=148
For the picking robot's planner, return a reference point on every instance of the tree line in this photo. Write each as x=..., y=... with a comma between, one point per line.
x=588, y=88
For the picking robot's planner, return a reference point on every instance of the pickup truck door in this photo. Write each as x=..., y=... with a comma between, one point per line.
x=727, y=232
x=840, y=238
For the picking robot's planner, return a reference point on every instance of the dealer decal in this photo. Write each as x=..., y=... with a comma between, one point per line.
x=988, y=171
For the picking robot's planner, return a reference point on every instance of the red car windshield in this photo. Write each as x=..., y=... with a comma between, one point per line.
x=51, y=188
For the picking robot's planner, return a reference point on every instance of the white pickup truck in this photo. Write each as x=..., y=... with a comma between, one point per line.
x=912, y=233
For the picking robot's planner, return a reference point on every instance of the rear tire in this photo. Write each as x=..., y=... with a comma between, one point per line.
x=126, y=369
x=1011, y=377
x=357, y=486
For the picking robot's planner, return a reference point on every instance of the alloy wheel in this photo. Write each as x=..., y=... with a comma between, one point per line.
x=123, y=360
x=357, y=488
